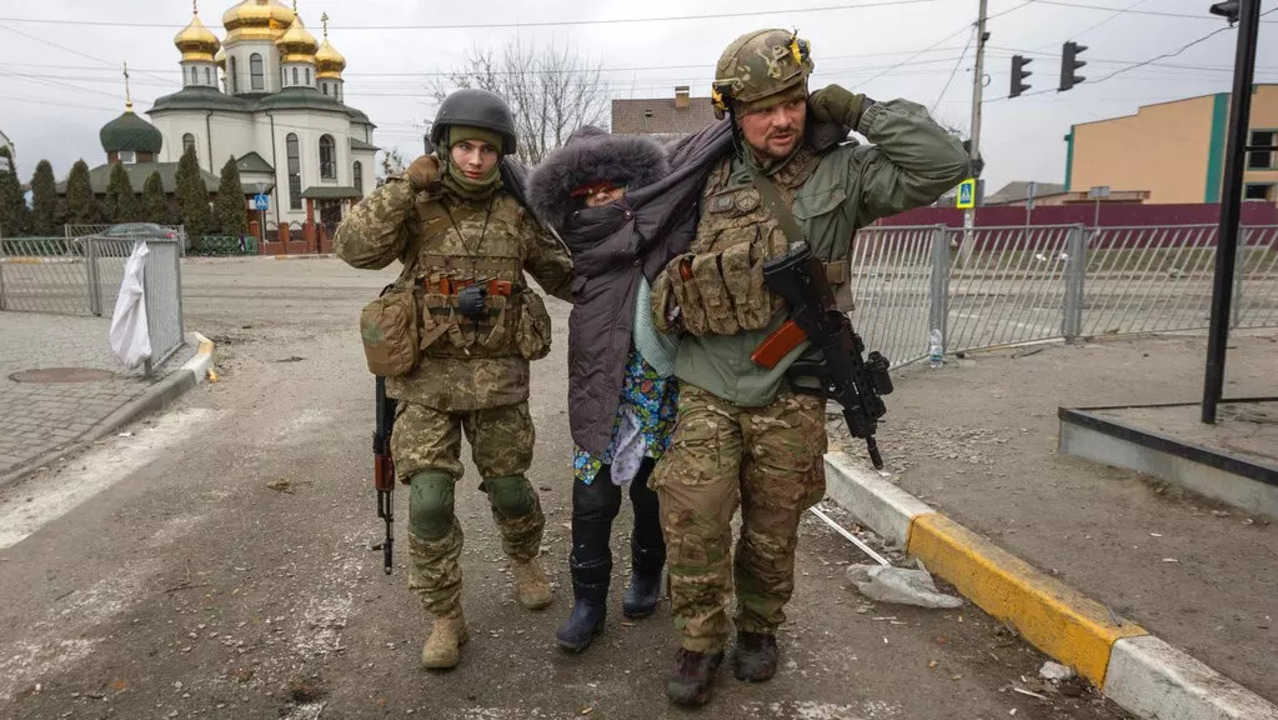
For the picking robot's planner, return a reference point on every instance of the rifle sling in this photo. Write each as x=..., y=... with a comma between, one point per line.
x=772, y=198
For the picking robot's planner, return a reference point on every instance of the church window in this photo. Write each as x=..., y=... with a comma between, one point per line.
x=208, y=76
x=284, y=76
x=128, y=157
x=308, y=77
x=256, y=75
x=188, y=142
x=195, y=76
x=294, y=172
x=325, y=88
x=357, y=174
x=235, y=79
x=295, y=80
x=328, y=158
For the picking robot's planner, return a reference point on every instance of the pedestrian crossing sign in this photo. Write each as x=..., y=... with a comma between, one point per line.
x=966, y=194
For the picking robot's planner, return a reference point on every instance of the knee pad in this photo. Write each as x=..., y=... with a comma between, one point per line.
x=430, y=505
x=512, y=495
x=600, y=500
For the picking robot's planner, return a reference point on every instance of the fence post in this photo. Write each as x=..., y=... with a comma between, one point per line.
x=938, y=315
x=1075, y=274
x=95, y=286
x=2, y=264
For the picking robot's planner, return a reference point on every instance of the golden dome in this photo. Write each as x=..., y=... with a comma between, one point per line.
x=298, y=44
x=197, y=42
x=328, y=61
x=256, y=20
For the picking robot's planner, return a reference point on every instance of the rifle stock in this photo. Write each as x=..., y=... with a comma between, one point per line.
x=384, y=469
x=855, y=383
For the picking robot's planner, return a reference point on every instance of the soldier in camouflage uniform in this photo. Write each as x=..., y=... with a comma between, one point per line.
x=465, y=242
x=744, y=435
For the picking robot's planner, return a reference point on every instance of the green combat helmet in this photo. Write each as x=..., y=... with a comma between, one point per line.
x=758, y=66
x=475, y=108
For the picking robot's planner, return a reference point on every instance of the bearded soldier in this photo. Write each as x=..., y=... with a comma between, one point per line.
x=747, y=434
x=454, y=336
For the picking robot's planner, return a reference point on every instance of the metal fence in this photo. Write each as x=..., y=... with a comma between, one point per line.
x=82, y=276
x=1017, y=285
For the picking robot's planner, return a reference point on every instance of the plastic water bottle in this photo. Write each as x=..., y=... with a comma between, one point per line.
x=935, y=350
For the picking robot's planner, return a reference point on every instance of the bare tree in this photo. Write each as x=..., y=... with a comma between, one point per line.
x=552, y=91
x=392, y=162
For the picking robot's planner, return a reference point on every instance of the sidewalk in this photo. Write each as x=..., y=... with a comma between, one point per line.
x=977, y=440
x=78, y=387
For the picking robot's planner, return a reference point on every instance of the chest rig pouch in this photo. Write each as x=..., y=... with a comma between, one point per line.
x=469, y=271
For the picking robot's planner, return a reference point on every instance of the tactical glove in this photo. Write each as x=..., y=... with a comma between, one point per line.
x=423, y=172
x=833, y=104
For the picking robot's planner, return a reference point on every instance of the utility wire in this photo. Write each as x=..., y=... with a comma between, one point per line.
x=542, y=23
x=1156, y=13
x=954, y=72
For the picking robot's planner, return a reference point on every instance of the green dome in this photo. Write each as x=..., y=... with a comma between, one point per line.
x=130, y=132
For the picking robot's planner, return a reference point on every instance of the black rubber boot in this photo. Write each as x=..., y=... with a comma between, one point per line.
x=647, y=548
x=692, y=677
x=594, y=507
x=589, y=609
x=755, y=658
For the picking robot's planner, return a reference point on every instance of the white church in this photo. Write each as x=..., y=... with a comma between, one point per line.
x=271, y=96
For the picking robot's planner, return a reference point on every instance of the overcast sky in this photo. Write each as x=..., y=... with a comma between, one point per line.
x=60, y=81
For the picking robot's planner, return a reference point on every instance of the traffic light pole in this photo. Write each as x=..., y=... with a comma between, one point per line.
x=978, y=90
x=1230, y=206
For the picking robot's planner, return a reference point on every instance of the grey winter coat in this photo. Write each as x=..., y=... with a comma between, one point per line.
x=612, y=244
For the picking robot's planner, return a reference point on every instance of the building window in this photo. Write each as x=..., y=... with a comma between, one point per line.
x=328, y=158
x=308, y=77
x=208, y=76
x=294, y=172
x=128, y=157
x=188, y=142
x=1257, y=192
x=324, y=87
x=1262, y=159
x=257, y=77
x=357, y=174
x=283, y=76
x=235, y=80
x=294, y=76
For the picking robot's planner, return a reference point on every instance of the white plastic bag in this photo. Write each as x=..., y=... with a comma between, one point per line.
x=130, y=340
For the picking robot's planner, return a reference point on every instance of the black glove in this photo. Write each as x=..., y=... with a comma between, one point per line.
x=470, y=301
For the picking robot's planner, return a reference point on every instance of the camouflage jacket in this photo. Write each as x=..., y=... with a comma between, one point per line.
x=911, y=163
x=467, y=363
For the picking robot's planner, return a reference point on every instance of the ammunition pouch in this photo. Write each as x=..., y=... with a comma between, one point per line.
x=388, y=327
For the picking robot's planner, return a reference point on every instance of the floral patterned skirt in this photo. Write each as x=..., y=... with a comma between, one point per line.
x=641, y=429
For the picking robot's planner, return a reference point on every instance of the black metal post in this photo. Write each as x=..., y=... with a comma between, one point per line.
x=1230, y=206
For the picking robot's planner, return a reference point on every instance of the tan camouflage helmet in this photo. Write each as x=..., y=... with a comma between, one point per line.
x=759, y=65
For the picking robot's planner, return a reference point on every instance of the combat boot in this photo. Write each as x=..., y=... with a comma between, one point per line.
x=534, y=588
x=443, y=648
x=689, y=683
x=755, y=658
x=590, y=606
x=640, y=599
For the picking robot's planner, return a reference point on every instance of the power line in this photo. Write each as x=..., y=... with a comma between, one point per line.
x=480, y=26
x=953, y=72
x=1176, y=52
x=1157, y=13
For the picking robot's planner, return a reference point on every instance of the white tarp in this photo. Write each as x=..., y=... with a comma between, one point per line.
x=130, y=340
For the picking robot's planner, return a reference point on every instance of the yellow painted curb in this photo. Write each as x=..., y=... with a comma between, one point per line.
x=1063, y=623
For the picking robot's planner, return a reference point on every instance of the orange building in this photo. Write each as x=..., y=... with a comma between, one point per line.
x=1176, y=150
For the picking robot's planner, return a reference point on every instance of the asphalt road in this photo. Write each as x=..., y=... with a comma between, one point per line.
x=218, y=563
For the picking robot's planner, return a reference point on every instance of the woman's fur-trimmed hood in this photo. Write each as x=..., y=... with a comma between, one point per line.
x=592, y=155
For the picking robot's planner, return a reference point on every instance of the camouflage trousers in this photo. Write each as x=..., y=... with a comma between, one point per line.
x=768, y=461
x=424, y=440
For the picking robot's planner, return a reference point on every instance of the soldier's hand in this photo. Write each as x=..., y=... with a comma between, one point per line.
x=423, y=172
x=834, y=104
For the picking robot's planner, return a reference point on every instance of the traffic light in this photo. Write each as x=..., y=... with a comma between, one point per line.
x=1019, y=73
x=1070, y=65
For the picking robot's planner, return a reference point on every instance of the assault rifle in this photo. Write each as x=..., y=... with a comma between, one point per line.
x=856, y=384
x=384, y=469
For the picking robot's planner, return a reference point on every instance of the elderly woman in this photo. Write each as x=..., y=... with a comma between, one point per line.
x=624, y=206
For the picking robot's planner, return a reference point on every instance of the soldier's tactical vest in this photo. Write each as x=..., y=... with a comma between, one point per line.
x=460, y=244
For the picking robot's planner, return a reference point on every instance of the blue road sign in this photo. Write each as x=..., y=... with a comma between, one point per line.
x=261, y=202
x=966, y=194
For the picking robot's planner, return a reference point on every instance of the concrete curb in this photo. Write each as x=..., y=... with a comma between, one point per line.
x=156, y=398
x=1140, y=672
x=305, y=257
